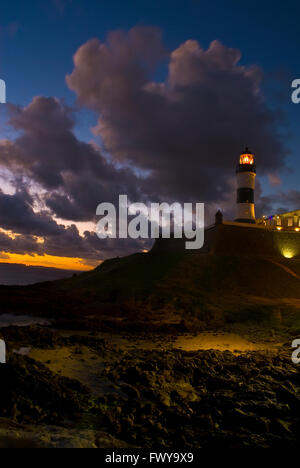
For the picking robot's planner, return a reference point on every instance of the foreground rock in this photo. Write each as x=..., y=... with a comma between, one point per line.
x=14, y=435
x=206, y=399
x=149, y=398
x=29, y=392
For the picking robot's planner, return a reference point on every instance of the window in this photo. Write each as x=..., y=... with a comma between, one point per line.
x=290, y=222
x=278, y=221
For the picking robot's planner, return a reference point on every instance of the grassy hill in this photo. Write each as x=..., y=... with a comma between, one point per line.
x=169, y=287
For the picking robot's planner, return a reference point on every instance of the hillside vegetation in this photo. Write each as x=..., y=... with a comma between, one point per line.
x=164, y=288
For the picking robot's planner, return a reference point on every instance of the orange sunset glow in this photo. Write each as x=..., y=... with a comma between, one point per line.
x=63, y=263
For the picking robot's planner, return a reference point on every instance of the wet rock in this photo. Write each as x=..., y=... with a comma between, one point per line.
x=205, y=422
x=32, y=335
x=160, y=398
x=131, y=391
x=218, y=398
x=33, y=393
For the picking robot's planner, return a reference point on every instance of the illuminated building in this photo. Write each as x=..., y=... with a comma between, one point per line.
x=289, y=221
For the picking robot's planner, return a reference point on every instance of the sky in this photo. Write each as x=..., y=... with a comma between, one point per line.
x=153, y=99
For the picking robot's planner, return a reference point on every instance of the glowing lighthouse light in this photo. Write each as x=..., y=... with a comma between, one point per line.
x=245, y=174
x=246, y=158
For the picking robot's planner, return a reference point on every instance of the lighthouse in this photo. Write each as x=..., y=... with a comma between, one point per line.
x=245, y=174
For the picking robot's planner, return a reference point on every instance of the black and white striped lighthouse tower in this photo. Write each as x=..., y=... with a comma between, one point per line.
x=245, y=174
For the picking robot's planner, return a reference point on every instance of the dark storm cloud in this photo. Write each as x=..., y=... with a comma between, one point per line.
x=17, y=215
x=263, y=203
x=289, y=200
x=76, y=176
x=28, y=226
x=24, y=244
x=90, y=246
x=182, y=135
x=67, y=242
x=187, y=131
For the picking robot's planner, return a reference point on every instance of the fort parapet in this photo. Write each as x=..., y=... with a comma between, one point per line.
x=240, y=239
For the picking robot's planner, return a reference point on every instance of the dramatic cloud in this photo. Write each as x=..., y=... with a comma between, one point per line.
x=70, y=179
x=76, y=176
x=17, y=215
x=162, y=138
x=185, y=132
x=274, y=180
x=35, y=237
x=290, y=200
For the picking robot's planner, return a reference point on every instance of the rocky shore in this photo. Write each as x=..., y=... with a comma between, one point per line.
x=159, y=396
